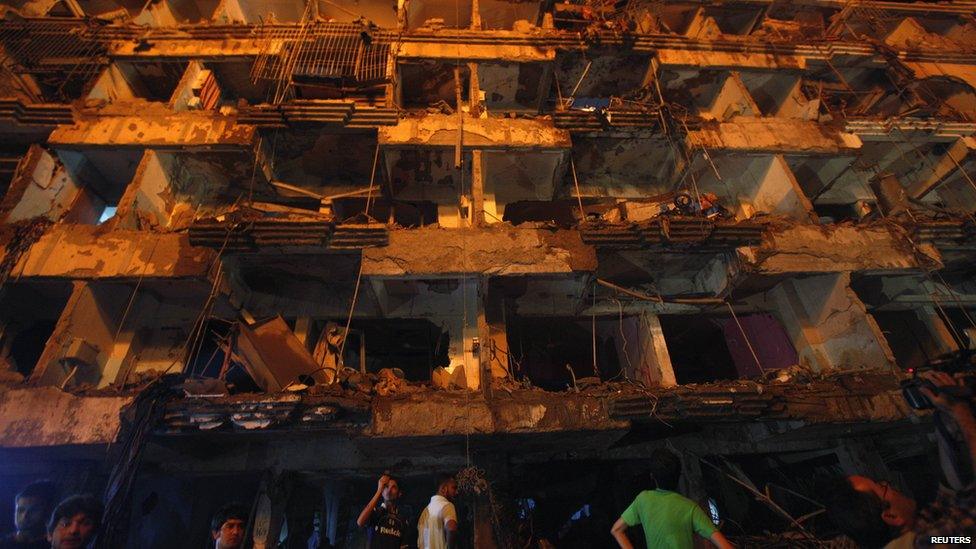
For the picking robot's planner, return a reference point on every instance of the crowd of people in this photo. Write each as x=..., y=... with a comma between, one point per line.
x=871, y=512
x=436, y=529
x=667, y=518
x=71, y=525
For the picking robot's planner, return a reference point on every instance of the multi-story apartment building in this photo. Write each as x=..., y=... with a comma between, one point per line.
x=265, y=250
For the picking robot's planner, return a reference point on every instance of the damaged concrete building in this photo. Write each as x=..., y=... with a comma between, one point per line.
x=265, y=250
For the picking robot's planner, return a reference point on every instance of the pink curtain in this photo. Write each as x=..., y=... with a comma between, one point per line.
x=768, y=338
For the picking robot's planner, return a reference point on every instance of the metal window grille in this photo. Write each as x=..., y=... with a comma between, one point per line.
x=69, y=53
x=336, y=53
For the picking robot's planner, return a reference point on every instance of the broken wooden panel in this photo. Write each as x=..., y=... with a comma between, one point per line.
x=273, y=356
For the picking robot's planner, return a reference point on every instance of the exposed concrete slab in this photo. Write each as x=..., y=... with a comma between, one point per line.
x=192, y=49
x=89, y=252
x=824, y=249
x=771, y=135
x=447, y=414
x=493, y=52
x=46, y=416
x=441, y=130
x=966, y=73
x=722, y=59
x=176, y=130
x=497, y=250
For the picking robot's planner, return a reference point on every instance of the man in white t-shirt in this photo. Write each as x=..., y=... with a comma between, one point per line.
x=438, y=523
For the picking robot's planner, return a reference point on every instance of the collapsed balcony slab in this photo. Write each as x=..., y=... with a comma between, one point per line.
x=446, y=414
x=185, y=130
x=495, y=250
x=724, y=59
x=507, y=52
x=89, y=252
x=610, y=409
x=189, y=48
x=46, y=416
x=813, y=249
x=774, y=135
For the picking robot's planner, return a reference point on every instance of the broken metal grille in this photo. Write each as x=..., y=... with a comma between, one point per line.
x=64, y=54
x=337, y=53
x=342, y=58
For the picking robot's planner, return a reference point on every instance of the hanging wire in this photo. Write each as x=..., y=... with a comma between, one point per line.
x=746, y=338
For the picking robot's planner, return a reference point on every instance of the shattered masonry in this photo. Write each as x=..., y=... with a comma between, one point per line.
x=530, y=232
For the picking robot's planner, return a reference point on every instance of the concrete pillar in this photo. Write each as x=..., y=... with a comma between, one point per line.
x=475, y=15
x=658, y=370
x=493, y=508
x=732, y=100
x=269, y=515
x=89, y=321
x=477, y=216
x=484, y=536
x=486, y=205
x=892, y=199
x=472, y=342
x=941, y=334
x=936, y=171
x=692, y=481
x=829, y=325
x=643, y=351
x=302, y=326
x=464, y=350
x=494, y=338
x=119, y=361
x=474, y=86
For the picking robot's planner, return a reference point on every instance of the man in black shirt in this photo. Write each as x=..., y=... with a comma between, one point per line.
x=385, y=526
x=32, y=507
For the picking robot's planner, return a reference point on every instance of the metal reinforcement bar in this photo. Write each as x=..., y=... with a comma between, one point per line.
x=579, y=121
x=252, y=235
x=317, y=112
x=39, y=114
x=674, y=231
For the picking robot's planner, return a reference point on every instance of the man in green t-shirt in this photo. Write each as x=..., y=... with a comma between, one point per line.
x=668, y=518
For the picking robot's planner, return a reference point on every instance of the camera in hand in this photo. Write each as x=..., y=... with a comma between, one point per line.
x=959, y=362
